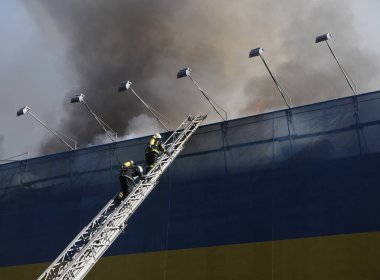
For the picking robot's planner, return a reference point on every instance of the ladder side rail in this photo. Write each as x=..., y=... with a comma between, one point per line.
x=71, y=247
x=186, y=134
x=175, y=145
x=85, y=237
x=125, y=212
x=174, y=136
x=197, y=120
x=128, y=211
x=177, y=141
x=184, y=125
x=176, y=131
x=132, y=196
x=116, y=229
x=117, y=212
x=70, y=254
x=180, y=131
x=168, y=160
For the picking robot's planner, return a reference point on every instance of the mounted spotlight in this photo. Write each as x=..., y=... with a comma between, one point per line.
x=185, y=72
x=256, y=52
x=284, y=95
x=77, y=98
x=323, y=37
x=125, y=86
x=26, y=110
x=23, y=111
x=107, y=129
x=350, y=81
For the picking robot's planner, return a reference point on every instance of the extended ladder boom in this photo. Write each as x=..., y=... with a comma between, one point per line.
x=90, y=244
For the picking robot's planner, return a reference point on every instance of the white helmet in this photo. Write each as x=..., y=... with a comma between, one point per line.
x=139, y=168
x=157, y=135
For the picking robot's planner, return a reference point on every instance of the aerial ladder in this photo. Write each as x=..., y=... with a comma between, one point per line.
x=91, y=243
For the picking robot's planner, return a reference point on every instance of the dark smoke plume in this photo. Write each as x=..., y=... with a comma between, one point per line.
x=308, y=70
x=148, y=41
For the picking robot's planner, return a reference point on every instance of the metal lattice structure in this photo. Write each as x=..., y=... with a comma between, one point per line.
x=92, y=242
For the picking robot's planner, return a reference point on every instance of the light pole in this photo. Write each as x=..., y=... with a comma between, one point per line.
x=186, y=73
x=11, y=159
x=59, y=135
x=350, y=81
x=125, y=86
x=284, y=95
x=107, y=129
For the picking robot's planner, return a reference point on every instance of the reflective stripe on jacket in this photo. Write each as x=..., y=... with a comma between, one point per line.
x=155, y=146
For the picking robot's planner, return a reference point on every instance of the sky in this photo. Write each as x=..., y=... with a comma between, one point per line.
x=53, y=49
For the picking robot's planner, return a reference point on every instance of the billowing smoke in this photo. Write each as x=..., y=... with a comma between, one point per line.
x=308, y=70
x=139, y=126
x=148, y=41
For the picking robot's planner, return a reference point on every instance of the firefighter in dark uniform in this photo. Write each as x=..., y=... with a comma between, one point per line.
x=128, y=173
x=153, y=151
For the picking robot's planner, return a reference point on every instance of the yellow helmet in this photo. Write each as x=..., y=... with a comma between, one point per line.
x=157, y=136
x=127, y=164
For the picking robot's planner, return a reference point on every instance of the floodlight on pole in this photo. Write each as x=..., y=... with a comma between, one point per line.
x=259, y=52
x=79, y=98
x=125, y=86
x=186, y=73
x=350, y=81
x=26, y=110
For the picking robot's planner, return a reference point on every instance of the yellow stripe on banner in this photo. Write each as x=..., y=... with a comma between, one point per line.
x=21, y=272
x=340, y=257
x=345, y=257
x=222, y=262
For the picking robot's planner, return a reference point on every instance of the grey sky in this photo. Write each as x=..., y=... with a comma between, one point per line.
x=33, y=71
x=49, y=52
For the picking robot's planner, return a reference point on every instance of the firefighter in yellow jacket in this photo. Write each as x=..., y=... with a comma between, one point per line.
x=128, y=174
x=153, y=151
